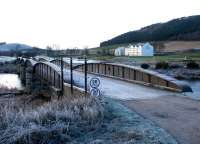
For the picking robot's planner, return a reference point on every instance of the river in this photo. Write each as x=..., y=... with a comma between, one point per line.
x=4, y=59
x=10, y=81
x=195, y=85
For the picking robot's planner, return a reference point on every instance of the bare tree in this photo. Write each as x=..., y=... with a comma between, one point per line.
x=86, y=51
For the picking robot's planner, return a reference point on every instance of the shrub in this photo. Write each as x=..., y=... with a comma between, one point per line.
x=192, y=65
x=162, y=65
x=54, y=122
x=145, y=66
x=175, y=66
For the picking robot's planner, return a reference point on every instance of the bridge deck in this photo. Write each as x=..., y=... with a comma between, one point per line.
x=115, y=78
x=117, y=88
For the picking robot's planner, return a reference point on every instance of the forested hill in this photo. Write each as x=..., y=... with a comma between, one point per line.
x=185, y=28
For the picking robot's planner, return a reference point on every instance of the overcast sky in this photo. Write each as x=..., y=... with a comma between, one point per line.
x=80, y=23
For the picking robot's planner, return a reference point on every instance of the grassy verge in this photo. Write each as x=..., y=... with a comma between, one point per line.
x=78, y=121
x=54, y=122
x=101, y=58
x=171, y=57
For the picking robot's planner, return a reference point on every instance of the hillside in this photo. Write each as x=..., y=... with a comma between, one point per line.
x=14, y=47
x=11, y=49
x=182, y=29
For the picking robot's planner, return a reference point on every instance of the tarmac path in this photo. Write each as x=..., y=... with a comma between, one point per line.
x=179, y=116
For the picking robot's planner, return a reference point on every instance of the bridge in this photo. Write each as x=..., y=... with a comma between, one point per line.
x=130, y=74
x=125, y=83
x=38, y=72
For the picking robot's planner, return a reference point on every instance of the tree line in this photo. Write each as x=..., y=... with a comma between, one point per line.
x=186, y=28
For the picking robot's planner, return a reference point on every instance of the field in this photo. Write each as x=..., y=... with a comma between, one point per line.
x=160, y=46
x=173, y=46
x=170, y=57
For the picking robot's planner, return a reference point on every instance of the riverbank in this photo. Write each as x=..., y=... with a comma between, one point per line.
x=8, y=64
x=181, y=73
x=176, y=69
x=8, y=67
x=177, y=64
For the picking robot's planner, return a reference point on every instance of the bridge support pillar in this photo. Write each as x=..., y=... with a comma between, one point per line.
x=18, y=66
x=29, y=75
x=23, y=73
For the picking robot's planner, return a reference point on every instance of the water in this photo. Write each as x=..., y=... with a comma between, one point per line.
x=195, y=85
x=6, y=59
x=10, y=81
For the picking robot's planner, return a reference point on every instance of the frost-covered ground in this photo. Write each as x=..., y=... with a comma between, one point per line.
x=126, y=127
x=81, y=121
x=57, y=122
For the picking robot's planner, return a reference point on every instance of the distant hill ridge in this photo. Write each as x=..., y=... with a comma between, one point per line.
x=4, y=47
x=181, y=29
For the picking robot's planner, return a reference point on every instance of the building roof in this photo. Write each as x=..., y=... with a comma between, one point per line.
x=139, y=44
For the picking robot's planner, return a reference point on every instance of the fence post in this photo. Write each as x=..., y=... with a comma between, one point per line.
x=123, y=73
x=71, y=75
x=85, y=75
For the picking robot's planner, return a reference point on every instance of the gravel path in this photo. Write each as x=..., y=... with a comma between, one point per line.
x=178, y=115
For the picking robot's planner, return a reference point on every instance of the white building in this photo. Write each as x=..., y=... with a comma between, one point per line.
x=141, y=49
x=120, y=51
